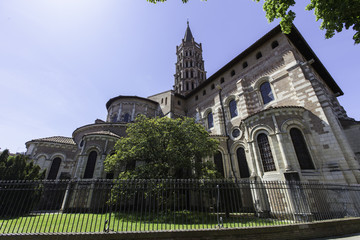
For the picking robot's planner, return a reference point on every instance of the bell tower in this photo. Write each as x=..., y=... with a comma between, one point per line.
x=190, y=71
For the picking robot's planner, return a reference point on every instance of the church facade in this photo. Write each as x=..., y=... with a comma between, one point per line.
x=273, y=108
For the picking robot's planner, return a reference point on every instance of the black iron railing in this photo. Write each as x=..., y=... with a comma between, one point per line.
x=153, y=205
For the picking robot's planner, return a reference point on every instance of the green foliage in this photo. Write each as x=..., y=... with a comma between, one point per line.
x=18, y=167
x=335, y=14
x=12, y=201
x=165, y=148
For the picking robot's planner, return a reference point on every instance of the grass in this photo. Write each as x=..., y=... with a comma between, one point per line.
x=91, y=222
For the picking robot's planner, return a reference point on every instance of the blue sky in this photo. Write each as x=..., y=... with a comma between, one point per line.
x=62, y=60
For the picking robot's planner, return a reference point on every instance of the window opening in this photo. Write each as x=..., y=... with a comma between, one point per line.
x=266, y=93
x=232, y=73
x=219, y=163
x=274, y=44
x=258, y=55
x=243, y=166
x=265, y=153
x=90, y=165
x=222, y=80
x=233, y=108
x=54, y=169
x=301, y=149
x=245, y=64
x=210, y=120
x=235, y=133
x=114, y=118
x=127, y=117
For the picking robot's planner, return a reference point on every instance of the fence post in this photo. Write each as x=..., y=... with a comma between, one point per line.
x=65, y=196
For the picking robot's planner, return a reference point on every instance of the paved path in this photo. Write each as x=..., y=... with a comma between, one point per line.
x=345, y=237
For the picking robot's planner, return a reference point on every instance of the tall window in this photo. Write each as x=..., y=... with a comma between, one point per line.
x=266, y=93
x=243, y=166
x=127, y=117
x=54, y=168
x=219, y=163
x=210, y=120
x=114, y=118
x=301, y=150
x=233, y=108
x=90, y=165
x=265, y=153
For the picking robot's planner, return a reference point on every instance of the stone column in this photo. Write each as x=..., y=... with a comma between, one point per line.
x=133, y=112
x=119, y=113
x=279, y=139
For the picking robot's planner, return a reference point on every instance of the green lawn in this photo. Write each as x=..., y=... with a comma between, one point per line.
x=89, y=222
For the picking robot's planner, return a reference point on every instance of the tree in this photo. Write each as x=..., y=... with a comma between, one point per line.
x=18, y=167
x=17, y=198
x=335, y=14
x=163, y=148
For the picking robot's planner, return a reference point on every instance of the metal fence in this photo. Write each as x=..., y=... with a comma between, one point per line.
x=153, y=205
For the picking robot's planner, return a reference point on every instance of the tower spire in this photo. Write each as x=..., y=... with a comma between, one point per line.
x=190, y=71
x=188, y=35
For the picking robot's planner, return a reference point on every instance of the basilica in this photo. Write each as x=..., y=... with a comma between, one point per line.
x=273, y=108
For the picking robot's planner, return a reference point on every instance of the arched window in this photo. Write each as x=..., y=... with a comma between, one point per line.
x=127, y=117
x=166, y=101
x=54, y=168
x=187, y=86
x=301, y=150
x=265, y=153
x=187, y=74
x=210, y=120
x=243, y=166
x=219, y=163
x=114, y=118
x=192, y=85
x=233, y=108
x=274, y=44
x=266, y=93
x=90, y=165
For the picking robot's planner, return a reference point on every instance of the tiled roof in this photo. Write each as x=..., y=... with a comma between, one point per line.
x=56, y=139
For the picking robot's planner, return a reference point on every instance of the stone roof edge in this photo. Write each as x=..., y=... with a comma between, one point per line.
x=111, y=100
x=297, y=39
